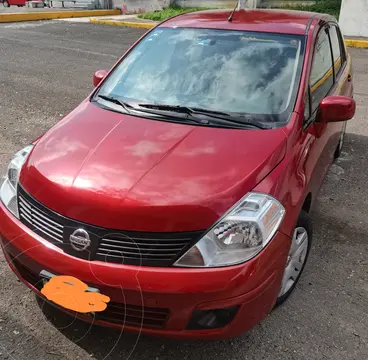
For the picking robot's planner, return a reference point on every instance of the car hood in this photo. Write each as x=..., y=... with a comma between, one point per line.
x=124, y=172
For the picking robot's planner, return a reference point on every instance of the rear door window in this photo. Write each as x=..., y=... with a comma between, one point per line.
x=336, y=49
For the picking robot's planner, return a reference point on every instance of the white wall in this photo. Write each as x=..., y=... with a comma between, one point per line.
x=231, y=3
x=138, y=6
x=135, y=6
x=206, y=3
x=354, y=17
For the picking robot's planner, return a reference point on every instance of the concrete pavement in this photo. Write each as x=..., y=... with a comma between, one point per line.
x=46, y=69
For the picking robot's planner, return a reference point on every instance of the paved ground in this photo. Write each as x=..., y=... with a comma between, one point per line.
x=45, y=70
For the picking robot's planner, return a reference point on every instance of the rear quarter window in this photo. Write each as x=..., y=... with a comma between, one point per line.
x=336, y=49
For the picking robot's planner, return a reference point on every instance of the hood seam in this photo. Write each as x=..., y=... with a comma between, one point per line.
x=167, y=153
x=92, y=151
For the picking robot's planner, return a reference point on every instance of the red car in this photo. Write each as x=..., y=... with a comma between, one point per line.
x=181, y=187
x=19, y=3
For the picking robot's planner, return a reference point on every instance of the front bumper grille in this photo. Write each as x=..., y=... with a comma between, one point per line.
x=27, y=275
x=116, y=313
x=108, y=245
x=132, y=315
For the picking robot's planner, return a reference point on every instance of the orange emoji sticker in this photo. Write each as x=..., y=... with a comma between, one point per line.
x=71, y=293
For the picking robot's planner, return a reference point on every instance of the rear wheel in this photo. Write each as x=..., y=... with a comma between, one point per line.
x=341, y=142
x=298, y=255
x=6, y=4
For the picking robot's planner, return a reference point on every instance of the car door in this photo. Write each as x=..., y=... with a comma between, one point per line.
x=342, y=65
x=320, y=140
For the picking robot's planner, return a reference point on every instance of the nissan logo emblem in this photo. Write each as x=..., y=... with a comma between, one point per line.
x=80, y=240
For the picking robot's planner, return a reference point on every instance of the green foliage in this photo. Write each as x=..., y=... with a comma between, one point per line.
x=168, y=12
x=321, y=6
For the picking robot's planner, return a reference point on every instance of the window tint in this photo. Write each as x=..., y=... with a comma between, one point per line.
x=336, y=49
x=321, y=79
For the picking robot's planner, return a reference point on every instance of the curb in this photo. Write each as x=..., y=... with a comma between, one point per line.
x=357, y=43
x=123, y=23
x=48, y=15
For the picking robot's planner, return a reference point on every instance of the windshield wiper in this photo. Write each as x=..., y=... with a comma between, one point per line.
x=183, y=109
x=210, y=112
x=225, y=117
x=244, y=121
x=160, y=113
x=179, y=115
x=123, y=104
x=163, y=107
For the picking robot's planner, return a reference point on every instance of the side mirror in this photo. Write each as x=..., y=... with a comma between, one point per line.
x=335, y=108
x=98, y=76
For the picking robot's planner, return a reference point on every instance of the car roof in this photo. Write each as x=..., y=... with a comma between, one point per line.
x=270, y=20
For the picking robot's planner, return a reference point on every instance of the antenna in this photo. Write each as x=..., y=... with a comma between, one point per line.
x=230, y=19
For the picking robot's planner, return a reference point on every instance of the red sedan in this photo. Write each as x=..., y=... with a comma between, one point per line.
x=19, y=3
x=180, y=189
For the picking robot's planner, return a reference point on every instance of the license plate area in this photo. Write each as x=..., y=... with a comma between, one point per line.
x=72, y=294
x=46, y=276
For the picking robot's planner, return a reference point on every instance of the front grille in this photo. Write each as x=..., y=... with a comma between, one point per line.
x=40, y=220
x=132, y=315
x=108, y=245
x=141, y=249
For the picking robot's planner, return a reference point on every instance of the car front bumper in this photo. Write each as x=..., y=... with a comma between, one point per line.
x=163, y=298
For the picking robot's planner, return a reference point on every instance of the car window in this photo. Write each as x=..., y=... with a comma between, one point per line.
x=336, y=49
x=321, y=79
x=230, y=71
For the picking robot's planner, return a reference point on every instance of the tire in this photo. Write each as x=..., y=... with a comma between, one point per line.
x=6, y=4
x=340, y=145
x=299, y=252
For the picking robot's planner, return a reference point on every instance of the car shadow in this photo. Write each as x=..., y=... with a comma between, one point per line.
x=108, y=343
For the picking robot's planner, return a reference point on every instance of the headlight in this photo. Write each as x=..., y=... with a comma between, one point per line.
x=240, y=235
x=8, y=191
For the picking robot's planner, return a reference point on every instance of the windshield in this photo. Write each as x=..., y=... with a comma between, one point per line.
x=230, y=71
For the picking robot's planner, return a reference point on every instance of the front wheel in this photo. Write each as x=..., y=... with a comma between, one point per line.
x=338, y=150
x=5, y=4
x=298, y=255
